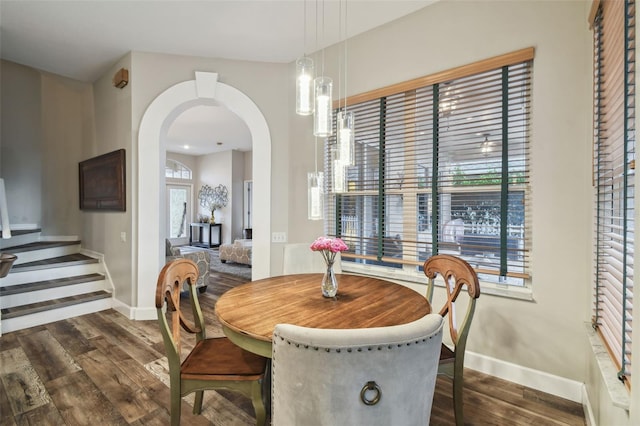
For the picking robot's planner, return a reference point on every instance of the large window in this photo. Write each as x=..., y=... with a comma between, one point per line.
x=441, y=166
x=614, y=167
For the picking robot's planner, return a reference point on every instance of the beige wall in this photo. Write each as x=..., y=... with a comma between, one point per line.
x=102, y=230
x=21, y=153
x=47, y=120
x=68, y=126
x=227, y=168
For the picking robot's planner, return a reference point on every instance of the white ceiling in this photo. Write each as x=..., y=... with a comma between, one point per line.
x=82, y=39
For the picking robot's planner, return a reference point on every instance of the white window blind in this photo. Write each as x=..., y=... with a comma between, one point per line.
x=614, y=167
x=441, y=166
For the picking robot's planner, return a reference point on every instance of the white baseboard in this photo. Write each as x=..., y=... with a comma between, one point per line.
x=534, y=379
x=145, y=314
x=123, y=308
x=136, y=314
x=589, y=415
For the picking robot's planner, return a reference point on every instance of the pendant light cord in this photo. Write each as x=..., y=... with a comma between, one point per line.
x=315, y=153
x=346, y=37
x=339, y=56
x=323, y=41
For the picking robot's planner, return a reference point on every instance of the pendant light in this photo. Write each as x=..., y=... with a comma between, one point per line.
x=304, y=86
x=315, y=198
x=345, y=137
x=323, y=86
x=315, y=191
x=304, y=77
x=346, y=129
x=322, y=126
x=338, y=176
x=346, y=119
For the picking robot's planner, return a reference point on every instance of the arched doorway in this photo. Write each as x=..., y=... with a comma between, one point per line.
x=151, y=158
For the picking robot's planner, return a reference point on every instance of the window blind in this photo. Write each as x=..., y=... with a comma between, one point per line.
x=439, y=168
x=614, y=167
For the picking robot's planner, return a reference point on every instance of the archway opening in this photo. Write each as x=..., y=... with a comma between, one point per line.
x=151, y=158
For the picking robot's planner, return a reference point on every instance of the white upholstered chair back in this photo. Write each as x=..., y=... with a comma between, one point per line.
x=300, y=259
x=324, y=377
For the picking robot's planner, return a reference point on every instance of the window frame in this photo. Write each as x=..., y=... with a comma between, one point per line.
x=613, y=178
x=406, y=274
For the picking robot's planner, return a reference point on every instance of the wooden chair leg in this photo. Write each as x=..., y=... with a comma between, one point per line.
x=458, y=403
x=197, y=404
x=176, y=402
x=258, y=403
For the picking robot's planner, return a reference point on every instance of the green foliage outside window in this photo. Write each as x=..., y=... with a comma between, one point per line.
x=492, y=177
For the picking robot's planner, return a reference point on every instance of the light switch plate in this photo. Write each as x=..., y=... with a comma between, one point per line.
x=279, y=237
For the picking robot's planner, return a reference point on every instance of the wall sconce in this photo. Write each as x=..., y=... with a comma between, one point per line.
x=121, y=78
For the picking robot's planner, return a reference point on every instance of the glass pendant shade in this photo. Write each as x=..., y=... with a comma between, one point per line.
x=338, y=176
x=315, y=199
x=322, y=125
x=346, y=137
x=304, y=86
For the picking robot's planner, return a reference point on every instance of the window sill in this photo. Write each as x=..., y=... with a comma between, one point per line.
x=509, y=291
x=617, y=391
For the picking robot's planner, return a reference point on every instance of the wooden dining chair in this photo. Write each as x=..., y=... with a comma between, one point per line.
x=457, y=274
x=214, y=363
x=368, y=376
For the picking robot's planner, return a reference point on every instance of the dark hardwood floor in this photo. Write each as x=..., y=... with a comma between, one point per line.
x=104, y=369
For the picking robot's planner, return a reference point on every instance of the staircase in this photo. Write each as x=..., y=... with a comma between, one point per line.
x=50, y=281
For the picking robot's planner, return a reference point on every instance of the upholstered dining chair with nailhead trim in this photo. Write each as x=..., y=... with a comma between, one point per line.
x=372, y=376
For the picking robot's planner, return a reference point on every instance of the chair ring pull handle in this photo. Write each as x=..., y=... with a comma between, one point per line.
x=370, y=386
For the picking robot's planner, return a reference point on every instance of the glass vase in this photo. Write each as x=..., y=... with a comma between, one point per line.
x=329, y=282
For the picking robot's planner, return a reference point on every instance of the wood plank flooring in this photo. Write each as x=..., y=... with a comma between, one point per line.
x=104, y=369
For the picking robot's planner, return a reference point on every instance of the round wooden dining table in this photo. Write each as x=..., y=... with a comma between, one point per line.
x=249, y=313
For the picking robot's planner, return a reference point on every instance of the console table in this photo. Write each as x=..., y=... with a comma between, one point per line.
x=200, y=230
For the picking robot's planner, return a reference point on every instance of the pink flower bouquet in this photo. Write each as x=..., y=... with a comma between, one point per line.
x=328, y=247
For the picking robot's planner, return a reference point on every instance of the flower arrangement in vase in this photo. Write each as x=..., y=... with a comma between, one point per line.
x=329, y=247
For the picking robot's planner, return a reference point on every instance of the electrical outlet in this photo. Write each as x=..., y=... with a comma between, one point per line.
x=279, y=237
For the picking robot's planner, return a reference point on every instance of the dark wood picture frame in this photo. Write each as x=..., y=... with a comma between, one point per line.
x=102, y=182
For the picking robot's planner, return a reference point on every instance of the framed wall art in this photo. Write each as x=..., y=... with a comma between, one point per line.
x=102, y=182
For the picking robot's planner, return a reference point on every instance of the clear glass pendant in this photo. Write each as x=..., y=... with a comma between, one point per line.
x=315, y=199
x=322, y=125
x=346, y=133
x=338, y=176
x=304, y=86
